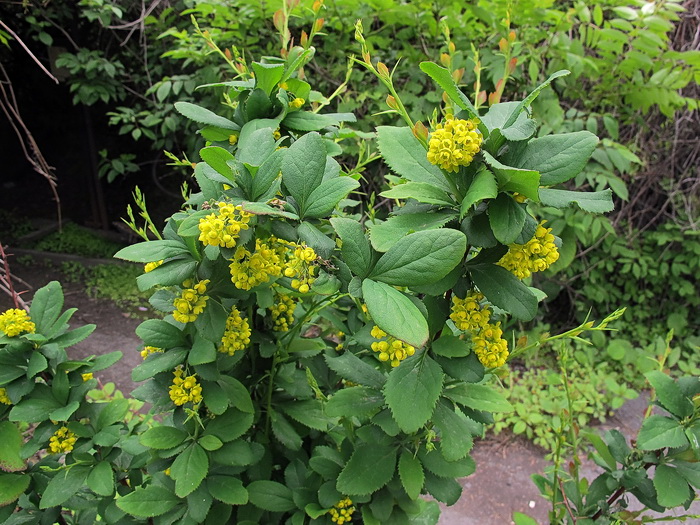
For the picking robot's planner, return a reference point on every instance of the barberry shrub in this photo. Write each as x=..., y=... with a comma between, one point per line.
x=311, y=366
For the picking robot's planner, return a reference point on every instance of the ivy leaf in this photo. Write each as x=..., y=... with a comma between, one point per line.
x=271, y=496
x=421, y=258
x=660, y=432
x=189, y=469
x=419, y=191
x=148, y=502
x=412, y=390
x=395, y=313
x=370, y=467
x=592, y=201
x=357, y=253
x=411, y=474
x=504, y=290
x=407, y=157
x=507, y=218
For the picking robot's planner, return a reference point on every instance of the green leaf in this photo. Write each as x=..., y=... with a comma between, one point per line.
x=162, y=437
x=148, y=502
x=504, y=290
x=256, y=144
x=101, y=479
x=267, y=76
x=268, y=173
x=435, y=463
x=34, y=410
x=496, y=117
x=63, y=485
x=271, y=496
x=411, y=474
x=455, y=432
x=526, y=182
x=356, y=401
x=669, y=394
x=203, y=351
x=170, y=273
x=217, y=158
x=303, y=168
x=319, y=241
x=421, y=258
x=451, y=346
x=11, y=439
x=557, y=158
x=659, y=432
x=46, y=306
x=230, y=425
x=479, y=397
x=352, y=368
x=158, y=362
x=260, y=208
x=308, y=412
x=357, y=253
x=532, y=96
x=227, y=489
x=420, y=191
x=63, y=413
x=307, y=121
x=189, y=469
x=482, y=187
x=73, y=337
x=370, y=467
x=159, y=333
x=284, y=431
x=384, y=235
x=395, y=313
x=446, y=491
x=238, y=394
x=672, y=489
x=326, y=197
x=407, y=157
x=204, y=116
x=12, y=486
x=690, y=471
x=523, y=519
x=412, y=390
x=592, y=201
x=444, y=79
x=507, y=218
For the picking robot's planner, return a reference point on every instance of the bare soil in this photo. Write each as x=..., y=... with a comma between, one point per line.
x=501, y=485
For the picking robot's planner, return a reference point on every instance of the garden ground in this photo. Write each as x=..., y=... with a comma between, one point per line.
x=490, y=495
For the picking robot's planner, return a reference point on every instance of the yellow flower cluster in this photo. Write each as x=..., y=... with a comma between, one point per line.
x=222, y=227
x=340, y=345
x=390, y=349
x=15, y=321
x=62, y=440
x=148, y=350
x=185, y=389
x=237, y=333
x=297, y=103
x=490, y=347
x=149, y=267
x=4, y=398
x=454, y=143
x=342, y=511
x=282, y=312
x=87, y=377
x=469, y=315
x=300, y=267
x=251, y=269
x=191, y=302
x=536, y=255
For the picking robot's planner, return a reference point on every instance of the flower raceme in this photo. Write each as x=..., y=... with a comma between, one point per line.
x=4, y=398
x=454, y=143
x=224, y=225
x=536, y=255
x=191, y=302
x=237, y=334
x=282, y=312
x=14, y=322
x=148, y=350
x=300, y=267
x=149, y=267
x=390, y=348
x=63, y=440
x=342, y=511
x=248, y=270
x=185, y=389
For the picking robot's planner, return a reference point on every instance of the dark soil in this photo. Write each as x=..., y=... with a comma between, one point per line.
x=501, y=485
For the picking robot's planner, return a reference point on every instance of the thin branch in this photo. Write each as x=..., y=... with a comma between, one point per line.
x=21, y=43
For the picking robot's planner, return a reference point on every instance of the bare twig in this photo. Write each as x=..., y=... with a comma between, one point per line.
x=24, y=46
